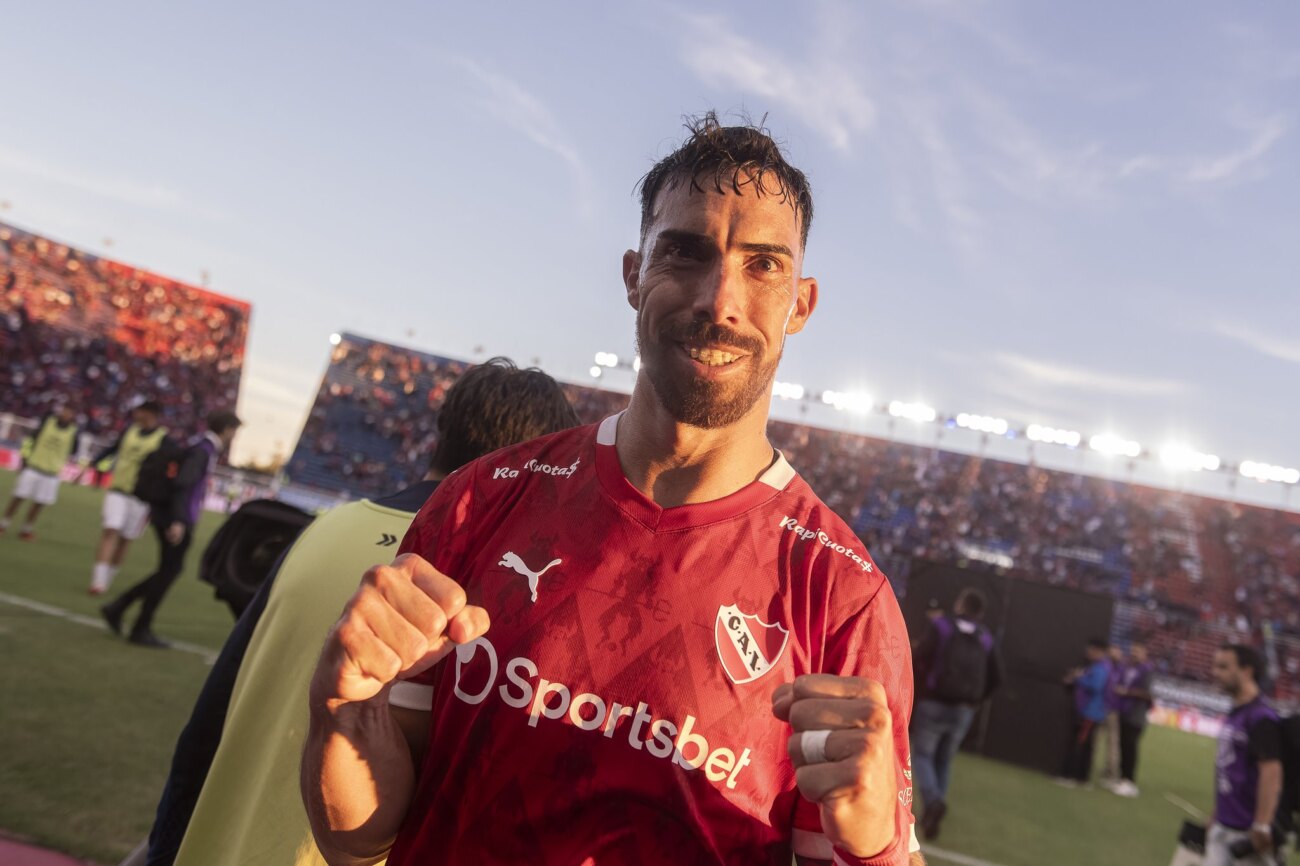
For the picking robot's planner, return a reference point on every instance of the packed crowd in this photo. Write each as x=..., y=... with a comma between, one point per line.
x=1190, y=572
x=108, y=335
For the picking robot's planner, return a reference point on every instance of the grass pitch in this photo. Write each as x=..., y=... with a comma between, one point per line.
x=88, y=723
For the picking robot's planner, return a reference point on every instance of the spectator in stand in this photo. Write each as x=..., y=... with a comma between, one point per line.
x=124, y=516
x=1089, y=684
x=173, y=522
x=44, y=455
x=957, y=667
x=1248, y=768
x=1134, y=690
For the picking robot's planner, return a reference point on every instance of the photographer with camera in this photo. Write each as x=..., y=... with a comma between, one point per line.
x=1248, y=767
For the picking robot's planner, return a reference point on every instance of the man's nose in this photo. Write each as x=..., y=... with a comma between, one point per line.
x=720, y=295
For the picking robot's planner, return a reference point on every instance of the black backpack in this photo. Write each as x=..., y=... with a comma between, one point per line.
x=959, y=671
x=160, y=471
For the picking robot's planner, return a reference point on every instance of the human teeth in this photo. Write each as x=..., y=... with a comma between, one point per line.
x=712, y=357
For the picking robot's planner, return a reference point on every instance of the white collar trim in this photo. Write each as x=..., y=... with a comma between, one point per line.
x=777, y=476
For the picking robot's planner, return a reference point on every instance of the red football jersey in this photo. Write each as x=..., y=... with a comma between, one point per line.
x=619, y=708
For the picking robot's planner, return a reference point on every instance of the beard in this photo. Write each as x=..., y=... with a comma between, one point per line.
x=696, y=401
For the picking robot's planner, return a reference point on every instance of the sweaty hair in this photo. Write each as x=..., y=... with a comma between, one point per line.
x=222, y=420
x=971, y=603
x=494, y=405
x=727, y=158
x=1247, y=657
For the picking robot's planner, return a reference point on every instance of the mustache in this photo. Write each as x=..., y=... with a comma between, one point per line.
x=699, y=331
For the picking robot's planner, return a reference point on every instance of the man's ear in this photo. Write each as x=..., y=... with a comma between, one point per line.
x=632, y=277
x=805, y=302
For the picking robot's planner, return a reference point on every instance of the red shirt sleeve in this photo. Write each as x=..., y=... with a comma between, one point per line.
x=871, y=642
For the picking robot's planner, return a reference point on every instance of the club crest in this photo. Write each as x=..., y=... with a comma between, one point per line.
x=747, y=646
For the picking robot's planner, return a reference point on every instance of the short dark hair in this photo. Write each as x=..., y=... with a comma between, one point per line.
x=1247, y=657
x=728, y=158
x=971, y=603
x=1098, y=643
x=149, y=406
x=496, y=404
x=222, y=420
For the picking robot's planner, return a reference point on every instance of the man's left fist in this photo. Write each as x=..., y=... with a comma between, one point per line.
x=843, y=752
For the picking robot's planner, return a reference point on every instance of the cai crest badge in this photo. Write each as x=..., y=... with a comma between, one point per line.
x=747, y=646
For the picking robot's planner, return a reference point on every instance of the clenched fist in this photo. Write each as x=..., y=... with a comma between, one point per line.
x=403, y=620
x=843, y=752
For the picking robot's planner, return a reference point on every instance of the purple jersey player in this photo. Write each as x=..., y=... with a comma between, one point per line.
x=1248, y=768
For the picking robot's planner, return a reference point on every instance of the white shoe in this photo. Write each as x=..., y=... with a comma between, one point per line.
x=1126, y=789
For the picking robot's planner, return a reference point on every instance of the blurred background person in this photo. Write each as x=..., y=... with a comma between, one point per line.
x=1248, y=766
x=173, y=522
x=1134, y=691
x=1089, y=684
x=958, y=668
x=124, y=516
x=44, y=455
x=232, y=795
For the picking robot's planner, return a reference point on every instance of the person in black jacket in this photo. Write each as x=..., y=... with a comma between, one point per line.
x=957, y=668
x=173, y=522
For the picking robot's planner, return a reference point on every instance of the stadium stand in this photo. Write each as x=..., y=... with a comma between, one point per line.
x=105, y=334
x=1188, y=573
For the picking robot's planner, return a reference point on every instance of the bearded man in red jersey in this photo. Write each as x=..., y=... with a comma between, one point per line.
x=468, y=707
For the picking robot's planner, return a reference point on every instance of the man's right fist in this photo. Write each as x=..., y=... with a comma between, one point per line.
x=403, y=620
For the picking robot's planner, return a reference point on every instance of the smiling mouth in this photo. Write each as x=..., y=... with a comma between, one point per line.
x=712, y=357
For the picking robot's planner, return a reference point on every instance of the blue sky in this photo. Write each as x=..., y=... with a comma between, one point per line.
x=1075, y=214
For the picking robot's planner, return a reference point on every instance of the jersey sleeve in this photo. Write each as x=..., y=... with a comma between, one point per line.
x=440, y=534
x=870, y=641
x=1265, y=739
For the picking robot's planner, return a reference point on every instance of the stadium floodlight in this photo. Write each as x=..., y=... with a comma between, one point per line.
x=1184, y=458
x=787, y=390
x=636, y=364
x=595, y=371
x=848, y=401
x=983, y=423
x=1268, y=472
x=335, y=339
x=912, y=411
x=1054, y=435
x=607, y=359
x=1109, y=443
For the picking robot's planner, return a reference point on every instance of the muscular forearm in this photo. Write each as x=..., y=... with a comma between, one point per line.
x=1267, y=792
x=357, y=780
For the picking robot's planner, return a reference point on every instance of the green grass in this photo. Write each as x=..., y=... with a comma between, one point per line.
x=88, y=724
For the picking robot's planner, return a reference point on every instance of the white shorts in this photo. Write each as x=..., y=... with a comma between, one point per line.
x=126, y=514
x=37, y=486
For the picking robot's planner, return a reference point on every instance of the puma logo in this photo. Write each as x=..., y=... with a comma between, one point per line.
x=513, y=562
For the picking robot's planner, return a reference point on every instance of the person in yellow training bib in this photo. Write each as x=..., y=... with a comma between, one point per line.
x=232, y=795
x=124, y=516
x=44, y=456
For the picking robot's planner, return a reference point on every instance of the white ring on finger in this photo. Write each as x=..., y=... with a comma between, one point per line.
x=813, y=746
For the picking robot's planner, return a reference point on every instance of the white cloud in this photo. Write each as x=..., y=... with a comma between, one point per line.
x=120, y=189
x=1266, y=133
x=509, y=102
x=1281, y=348
x=1084, y=379
x=820, y=90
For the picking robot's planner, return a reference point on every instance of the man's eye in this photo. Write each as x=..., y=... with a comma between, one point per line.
x=767, y=265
